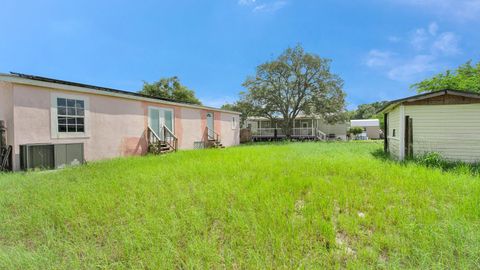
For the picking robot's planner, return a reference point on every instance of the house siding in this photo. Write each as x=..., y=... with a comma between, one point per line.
x=394, y=123
x=115, y=126
x=373, y=132
x=6, y=108
x=229, y=135
x=451, y=130
x=192, y=127
x=339, y=129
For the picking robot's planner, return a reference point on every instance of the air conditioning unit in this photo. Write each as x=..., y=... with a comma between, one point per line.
x=50, y=156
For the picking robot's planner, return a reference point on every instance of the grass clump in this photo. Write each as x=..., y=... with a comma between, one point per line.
x=289, y=205
x=435, y=160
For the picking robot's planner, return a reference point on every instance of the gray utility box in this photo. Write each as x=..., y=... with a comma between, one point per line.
x=50, y=156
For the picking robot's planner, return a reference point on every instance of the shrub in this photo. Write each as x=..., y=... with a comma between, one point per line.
x=431, y=159
x=355, y=130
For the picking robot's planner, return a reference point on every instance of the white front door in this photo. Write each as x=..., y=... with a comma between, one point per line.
x=159, y=117
x=210, y=125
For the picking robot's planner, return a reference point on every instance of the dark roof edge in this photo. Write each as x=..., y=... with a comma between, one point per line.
x=427, y=95
x=106, y=89
x=45, y=79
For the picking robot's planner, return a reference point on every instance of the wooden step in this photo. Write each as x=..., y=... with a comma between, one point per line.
x=166, y=151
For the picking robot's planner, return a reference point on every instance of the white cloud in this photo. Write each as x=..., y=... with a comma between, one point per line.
x=271, y=7
x=419, y=39
x=394, y=39
x=411, y=68
x=433, y=28
x=263, y=6
x=428, y=39
x=447, y=43
x=246, y=2
x=377, y=58
x=430, y=48
x=457, y=9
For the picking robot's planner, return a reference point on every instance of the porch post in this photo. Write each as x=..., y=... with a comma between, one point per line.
x=313, y=132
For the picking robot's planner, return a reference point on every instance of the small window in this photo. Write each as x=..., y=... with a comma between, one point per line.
x=394, y=133
x=234, y=123
x=70, y=115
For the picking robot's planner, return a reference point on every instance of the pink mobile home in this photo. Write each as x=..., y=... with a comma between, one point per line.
x=104, y=122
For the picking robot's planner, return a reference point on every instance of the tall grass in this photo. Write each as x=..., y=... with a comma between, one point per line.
x=299, y=205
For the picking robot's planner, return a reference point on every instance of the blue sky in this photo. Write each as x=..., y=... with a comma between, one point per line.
x=379, y=47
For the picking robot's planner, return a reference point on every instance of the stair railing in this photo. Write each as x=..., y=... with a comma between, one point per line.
x=153, y=141
x=210, y=135
x=169, y=138
x=322, y=136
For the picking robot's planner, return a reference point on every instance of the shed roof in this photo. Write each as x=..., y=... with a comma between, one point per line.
x=394, y=103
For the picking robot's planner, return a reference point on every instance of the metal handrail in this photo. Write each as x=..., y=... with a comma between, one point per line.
x=168, y=137
x=172, y=139
x=152, y=136
x=215, y=136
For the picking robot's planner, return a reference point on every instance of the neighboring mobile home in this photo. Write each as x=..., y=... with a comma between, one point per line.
x=304, y=127
x=371, y=128
x=446, y=122
x=89, y=123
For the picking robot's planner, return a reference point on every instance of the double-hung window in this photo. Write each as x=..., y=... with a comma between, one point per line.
x=70, y=115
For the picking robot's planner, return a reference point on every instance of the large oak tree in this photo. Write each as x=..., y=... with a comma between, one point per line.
x=170, y=88
x=295, y=82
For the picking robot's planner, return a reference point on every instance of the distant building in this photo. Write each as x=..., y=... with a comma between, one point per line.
x=304, y=127
x=371, y=128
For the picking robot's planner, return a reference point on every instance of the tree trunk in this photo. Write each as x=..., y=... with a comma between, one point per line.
x=286, y=128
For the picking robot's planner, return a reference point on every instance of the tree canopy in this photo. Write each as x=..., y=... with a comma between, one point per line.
x=466, y=78
x=367, y=111
x=241, y=106
x=295, y=82
x=170, y=88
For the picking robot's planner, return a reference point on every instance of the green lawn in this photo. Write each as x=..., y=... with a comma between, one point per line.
x=299, y=205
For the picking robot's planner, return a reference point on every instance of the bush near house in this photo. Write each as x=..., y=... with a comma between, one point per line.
x=288, y=205
x=355, y=131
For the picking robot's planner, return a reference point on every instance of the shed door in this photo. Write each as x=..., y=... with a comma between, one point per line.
x=408, y=137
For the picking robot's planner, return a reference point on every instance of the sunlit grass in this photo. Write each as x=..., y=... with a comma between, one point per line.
x=300, y=205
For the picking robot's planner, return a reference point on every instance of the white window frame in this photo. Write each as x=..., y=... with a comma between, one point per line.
x=162, y=109
x=55, y=134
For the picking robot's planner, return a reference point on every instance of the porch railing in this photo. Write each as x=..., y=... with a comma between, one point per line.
x=303, y=132
x=321, y=135
x=210, y=138
x=295, y=132
x=268, y=132
x=166, y=136
x=169, y=138
x=298, y=132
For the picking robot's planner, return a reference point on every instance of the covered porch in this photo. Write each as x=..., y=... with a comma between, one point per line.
x=305, y=129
